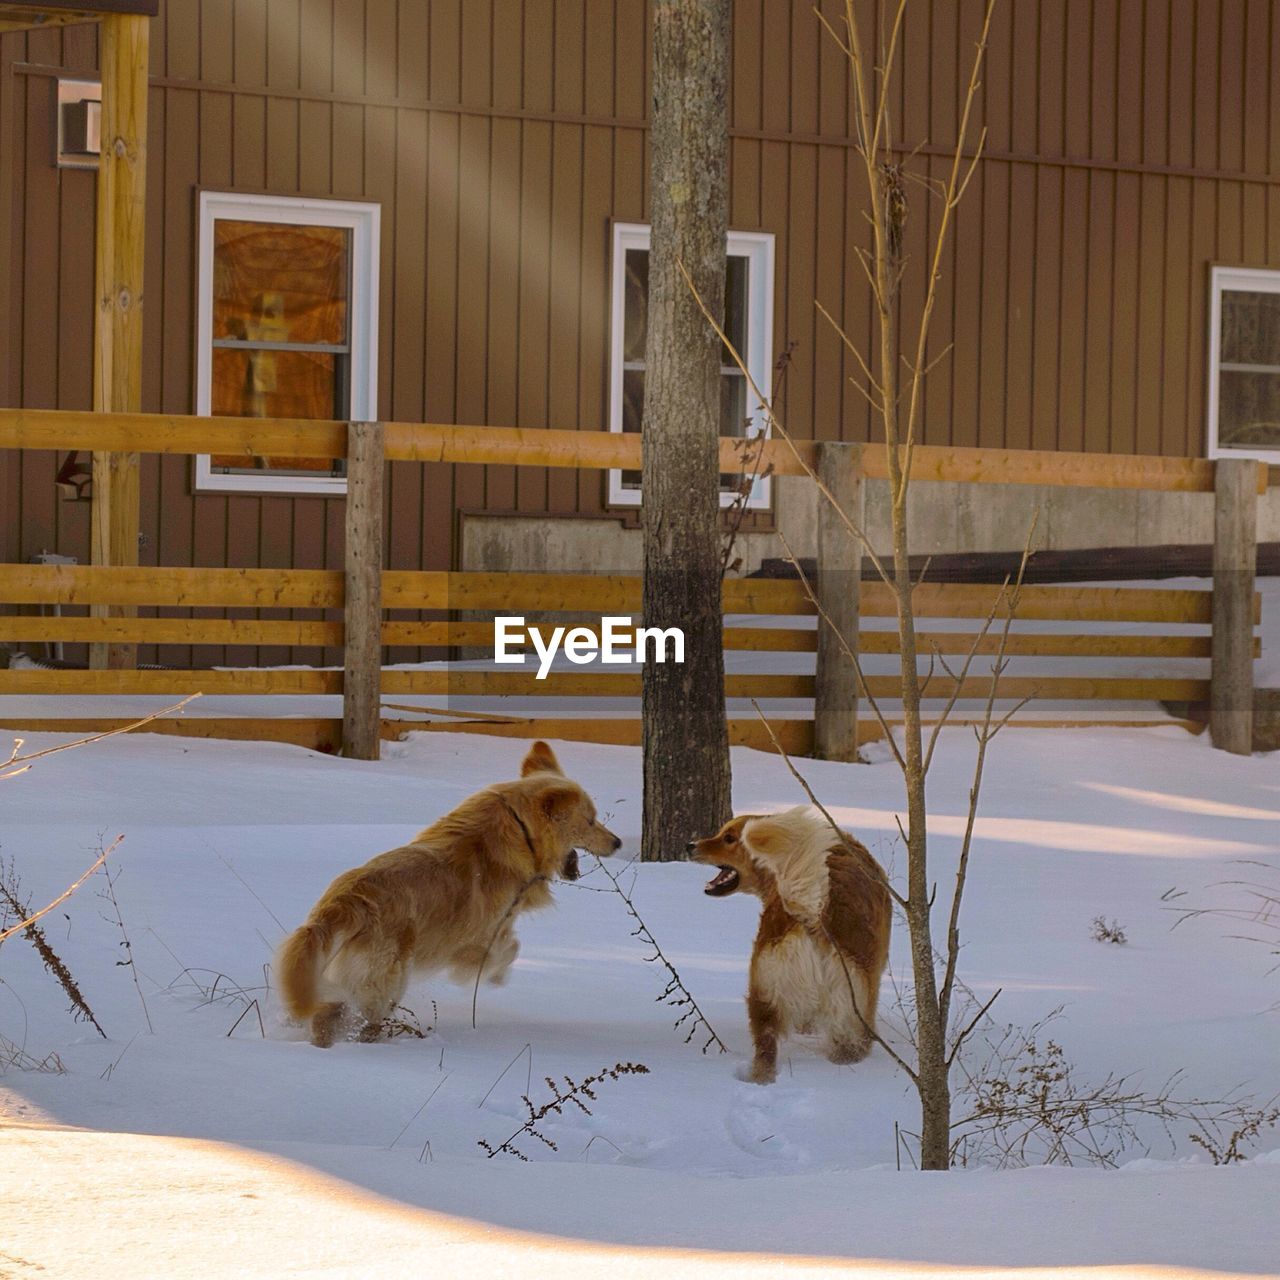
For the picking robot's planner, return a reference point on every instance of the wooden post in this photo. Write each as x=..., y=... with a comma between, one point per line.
x=1235, y=558
x=362, y=610
x=119, y=250
x=839, y=581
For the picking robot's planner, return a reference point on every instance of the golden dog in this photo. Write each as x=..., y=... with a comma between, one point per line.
x=823, y=939
x=448, y=899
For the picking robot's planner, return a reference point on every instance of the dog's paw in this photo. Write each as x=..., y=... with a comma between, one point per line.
x=755, y=1073
x=844, y=1052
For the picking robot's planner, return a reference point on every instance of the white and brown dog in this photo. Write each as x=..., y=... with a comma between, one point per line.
x=823, y=939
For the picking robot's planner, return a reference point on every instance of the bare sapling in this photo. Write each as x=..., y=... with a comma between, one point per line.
x=892, y=380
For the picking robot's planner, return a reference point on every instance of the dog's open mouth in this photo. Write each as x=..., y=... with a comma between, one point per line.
x=726, y=881
x=569, y=869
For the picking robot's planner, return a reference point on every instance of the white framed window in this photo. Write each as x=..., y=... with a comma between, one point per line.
x=1244, y=363
x=286, y=326
x=748, y=324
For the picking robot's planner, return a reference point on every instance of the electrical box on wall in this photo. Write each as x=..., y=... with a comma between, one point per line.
x=79, y=107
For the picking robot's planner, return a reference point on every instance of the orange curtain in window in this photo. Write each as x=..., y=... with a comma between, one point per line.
x=273, y=282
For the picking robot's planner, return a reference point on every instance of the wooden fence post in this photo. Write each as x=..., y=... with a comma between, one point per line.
x=839, y=582
x=1235, y=558
x=118, y=260
x=362, y=607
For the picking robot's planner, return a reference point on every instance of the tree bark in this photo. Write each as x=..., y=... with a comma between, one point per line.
x=685, y=734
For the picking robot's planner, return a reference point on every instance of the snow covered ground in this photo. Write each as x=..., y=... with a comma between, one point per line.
x=206, y=1149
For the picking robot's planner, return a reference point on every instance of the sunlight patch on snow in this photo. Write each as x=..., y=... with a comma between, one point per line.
x=89, y=1203
x=1174, y=803
x=1072, y=837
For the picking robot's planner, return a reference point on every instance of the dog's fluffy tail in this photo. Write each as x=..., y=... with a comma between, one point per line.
x=301, y=957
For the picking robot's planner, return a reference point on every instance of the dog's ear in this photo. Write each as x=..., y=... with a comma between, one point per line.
x=767, y=837
x=541, y=759
x=559, y=801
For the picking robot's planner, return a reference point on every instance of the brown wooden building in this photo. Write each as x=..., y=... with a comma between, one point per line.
x=433, y=210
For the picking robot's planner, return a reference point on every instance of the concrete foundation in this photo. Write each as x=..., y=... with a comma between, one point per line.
x=944, y=518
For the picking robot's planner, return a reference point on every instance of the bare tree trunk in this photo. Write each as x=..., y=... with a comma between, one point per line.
x=686, y=744
x=931, y=1031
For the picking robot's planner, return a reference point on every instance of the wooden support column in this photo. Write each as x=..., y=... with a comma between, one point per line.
x=362, y=610
x=839, y=579
x=119, y=251
x=1235, y=558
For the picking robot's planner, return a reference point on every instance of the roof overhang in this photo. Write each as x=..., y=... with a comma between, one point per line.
x=31, y=15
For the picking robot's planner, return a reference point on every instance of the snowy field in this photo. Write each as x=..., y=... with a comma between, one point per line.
x=203, y=1149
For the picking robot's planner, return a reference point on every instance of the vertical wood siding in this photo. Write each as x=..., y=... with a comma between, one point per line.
x=1130, y=143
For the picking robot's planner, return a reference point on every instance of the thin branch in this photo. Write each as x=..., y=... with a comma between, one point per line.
x=866, y=1026
x=65, y=894
x=845, y=647
x=973, y=165
x=834, y=34
x=752, y=449
x=775, y=423
x=252, y=893
x=964, y=672
x=25, y=761
x=677, y=995
x=973, y=1022
x=421, y=1109
x=127, y=962
x=955, y=188
x=851, y=348
x=1004, y=719
x=962, y=870
x=528, y=1083
x=933, y=364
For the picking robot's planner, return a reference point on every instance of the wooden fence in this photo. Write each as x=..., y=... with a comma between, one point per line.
x=1225, y=616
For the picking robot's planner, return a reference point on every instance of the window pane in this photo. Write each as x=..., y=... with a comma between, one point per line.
x=733, y=415
x=632, y=415
x=273, y=282
x=1250, y=328
x=735, y=305
x=733, y=405
x=278, y=384
x=636, y=304
x=1248, y=409
x=632, y=399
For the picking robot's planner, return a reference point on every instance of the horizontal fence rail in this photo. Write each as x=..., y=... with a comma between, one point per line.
x=253, y=438
x=1070, y=621
x=266, y=633
x=573, y=684
x=571, y=593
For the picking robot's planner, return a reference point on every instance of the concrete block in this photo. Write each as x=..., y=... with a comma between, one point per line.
x=1081, y=518
x=1167, y=518
x=995, y=517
